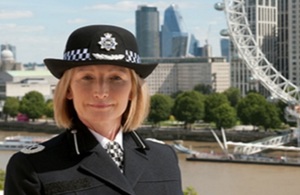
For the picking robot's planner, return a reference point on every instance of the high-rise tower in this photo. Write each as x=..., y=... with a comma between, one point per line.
x=293, y=39
x=225, y=48
x=147, y=31
x=174, y=40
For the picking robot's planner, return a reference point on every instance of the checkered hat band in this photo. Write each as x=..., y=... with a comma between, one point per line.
x=77, y=55
x=84, y=55
x=132, y=57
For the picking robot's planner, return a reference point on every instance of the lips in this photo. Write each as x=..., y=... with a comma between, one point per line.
x=100, y=105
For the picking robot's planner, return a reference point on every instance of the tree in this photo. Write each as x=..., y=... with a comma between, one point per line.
x=233, y=95
x=174, y=95
x=189, y=191
x=224, y=116
x=189, y=107
x=212, y=101
x=255, y=110
x=282, y=106
x=33, y=105
x=49, y=109
x=272, y=119
x=251, y=109
x=11, y=107
x=2, y=179
x=161, y=106
x=204, y=89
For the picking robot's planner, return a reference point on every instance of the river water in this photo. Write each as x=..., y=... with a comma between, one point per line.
x=209, y=178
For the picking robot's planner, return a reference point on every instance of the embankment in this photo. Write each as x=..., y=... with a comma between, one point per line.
x=162, y=133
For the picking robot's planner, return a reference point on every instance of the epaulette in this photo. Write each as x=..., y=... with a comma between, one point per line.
x=35, y=148
x=155, y=140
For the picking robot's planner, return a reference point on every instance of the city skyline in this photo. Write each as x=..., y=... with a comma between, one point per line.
x=40, y=30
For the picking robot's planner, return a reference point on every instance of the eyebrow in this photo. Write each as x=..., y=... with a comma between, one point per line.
x=117, y=68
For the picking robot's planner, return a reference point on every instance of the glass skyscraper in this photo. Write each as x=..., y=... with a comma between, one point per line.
x=225, y=48
x=174, y=41
x=147, y=31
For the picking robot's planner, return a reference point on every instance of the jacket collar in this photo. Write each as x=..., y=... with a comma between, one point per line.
x=101, y=166
x=82, y=140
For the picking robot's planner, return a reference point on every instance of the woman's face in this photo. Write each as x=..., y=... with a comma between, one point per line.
x=100, y=93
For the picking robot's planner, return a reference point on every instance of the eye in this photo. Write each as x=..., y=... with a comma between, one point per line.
x=116, y=78
x=87, y=77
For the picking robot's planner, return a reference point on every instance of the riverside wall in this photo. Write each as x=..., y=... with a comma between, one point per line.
x=161, y=133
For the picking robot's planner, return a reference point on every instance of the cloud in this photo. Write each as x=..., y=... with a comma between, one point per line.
x=76, y=21
x=124, y=5
x=15, y=14
x=119, y=6
x=14, y=28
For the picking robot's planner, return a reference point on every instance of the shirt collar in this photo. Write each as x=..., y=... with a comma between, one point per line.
x=103, y=140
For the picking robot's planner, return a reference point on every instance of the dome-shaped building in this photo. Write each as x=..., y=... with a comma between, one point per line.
x=8, y=61
x=7, y=56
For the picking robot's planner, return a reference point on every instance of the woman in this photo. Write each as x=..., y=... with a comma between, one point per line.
x=100, y=99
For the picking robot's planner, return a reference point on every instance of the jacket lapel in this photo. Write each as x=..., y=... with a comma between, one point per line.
x=135, y=160
x=100, y=165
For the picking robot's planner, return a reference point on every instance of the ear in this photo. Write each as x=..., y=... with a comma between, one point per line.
x=69, y=95
x=130, y=96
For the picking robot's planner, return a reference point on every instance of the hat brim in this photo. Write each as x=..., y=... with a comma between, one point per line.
x=57, y=67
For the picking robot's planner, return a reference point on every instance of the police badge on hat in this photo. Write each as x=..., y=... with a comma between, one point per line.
x=108, y=42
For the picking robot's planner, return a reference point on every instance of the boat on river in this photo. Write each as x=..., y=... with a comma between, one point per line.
x=244, y=159
x=251, y=153
x=16, y=143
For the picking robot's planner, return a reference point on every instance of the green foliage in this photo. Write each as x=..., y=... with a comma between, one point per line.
x=251, y=109
x=213, y=101
x=281, y=106
x=272, y=119
x=11, y=106
x=33, y=105
x=189, y=107
x=224, y=116
x=204, y=89
x=161, y=106
x=189, y=191
x=174, y=95
x=224, y=109
x=233, y=95
x=255, y=110
x=49, y=109
x=2, y=178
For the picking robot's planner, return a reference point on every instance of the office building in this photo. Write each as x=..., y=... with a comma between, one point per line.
x=293, y=40
x=194, y=48
x=225, y=48
x=174, y=40
x=147, y=31
x=183, y=74
x=17, y=83
x=282, y=63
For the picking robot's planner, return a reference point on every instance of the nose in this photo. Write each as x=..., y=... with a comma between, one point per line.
x=101, y=89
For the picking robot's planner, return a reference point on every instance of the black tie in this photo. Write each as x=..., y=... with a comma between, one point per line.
x=116, y=153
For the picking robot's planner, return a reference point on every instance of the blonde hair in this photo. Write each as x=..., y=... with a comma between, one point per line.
x=134, y=115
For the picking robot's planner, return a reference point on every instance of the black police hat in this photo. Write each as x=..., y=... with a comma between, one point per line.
x=100, y=44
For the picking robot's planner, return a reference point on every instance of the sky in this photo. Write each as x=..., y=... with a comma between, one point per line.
x=39, y=29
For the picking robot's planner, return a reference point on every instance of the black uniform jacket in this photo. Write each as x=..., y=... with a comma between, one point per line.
x=74, y=162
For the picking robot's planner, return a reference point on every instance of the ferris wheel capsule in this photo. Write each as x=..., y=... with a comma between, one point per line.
x=253, y=80
x=224, y=33
x=219, y=6
x=272, y=99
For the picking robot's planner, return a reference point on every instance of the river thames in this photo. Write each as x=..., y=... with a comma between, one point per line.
x=209, y=178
